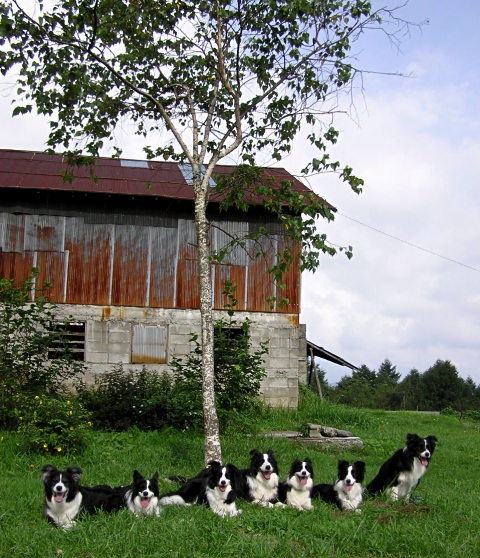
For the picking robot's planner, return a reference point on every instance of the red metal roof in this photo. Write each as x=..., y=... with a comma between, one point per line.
x=29, y=169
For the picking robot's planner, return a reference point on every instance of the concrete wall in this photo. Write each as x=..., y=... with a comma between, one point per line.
x=108, y=339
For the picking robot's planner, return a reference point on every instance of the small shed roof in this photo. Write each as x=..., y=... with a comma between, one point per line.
x=327, y=355
x=42, y=171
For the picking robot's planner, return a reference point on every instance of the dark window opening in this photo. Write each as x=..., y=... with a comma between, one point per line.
x=69, y=338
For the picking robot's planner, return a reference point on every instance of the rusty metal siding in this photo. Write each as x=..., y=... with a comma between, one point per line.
x=223, y=233
x=234, y=273
x=260, y=285
x=13, y=232
x=187, y=286
x=51, y=266
x=45, y=233
x=163, y=267
x=187, y=239
x=130, y=264
x=291, y=279
x=89, y=269
x=15, y=266
x=149, y=344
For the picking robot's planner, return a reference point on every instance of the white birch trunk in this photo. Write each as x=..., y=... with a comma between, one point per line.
x=210, y=418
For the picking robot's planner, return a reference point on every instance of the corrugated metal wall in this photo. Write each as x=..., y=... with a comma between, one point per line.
x=114, y=263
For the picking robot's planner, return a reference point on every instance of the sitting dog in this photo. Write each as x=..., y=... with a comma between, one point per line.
x=259, y=483
x=402, y=472
x=296, y=491
x=141, y=497
x=214, y=486
x=347, y=492
x=65, y=498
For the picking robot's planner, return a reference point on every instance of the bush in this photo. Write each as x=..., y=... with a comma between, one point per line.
x=471, y=415
x=238, y=373
x=448, y=411
x=121, y=399
x=27, y=331
x=51, y=424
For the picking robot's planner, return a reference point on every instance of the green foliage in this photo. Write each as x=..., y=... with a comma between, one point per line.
x=51, y=425
x=449, y=412
x=121, y=399
x=439, y=387
x=27, y=330
x=238, y=373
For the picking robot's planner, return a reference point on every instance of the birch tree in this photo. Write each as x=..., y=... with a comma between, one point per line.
x=200, y=80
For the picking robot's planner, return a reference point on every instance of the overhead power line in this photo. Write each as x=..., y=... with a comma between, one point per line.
x=409, y=243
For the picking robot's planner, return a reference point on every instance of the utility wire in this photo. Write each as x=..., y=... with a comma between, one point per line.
x=405, y=242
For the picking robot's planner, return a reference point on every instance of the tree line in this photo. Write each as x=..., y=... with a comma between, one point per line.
x=436, y=389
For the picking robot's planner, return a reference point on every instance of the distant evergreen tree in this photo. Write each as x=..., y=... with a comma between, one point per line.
x=442, y=386
x=387, y=374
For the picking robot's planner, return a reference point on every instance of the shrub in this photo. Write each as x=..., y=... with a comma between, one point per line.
x=27, y=331
x=121, y=399
x=52, y=424
x=471, y=415
x=448, y=411
x=238, y=373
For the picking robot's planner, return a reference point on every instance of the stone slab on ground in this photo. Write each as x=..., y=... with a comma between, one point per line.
x=341, y=443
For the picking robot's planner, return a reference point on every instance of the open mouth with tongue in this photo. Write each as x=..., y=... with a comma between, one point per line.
x=222, y=487
x=424, y=461
x=348, y=487
x=302, y=479
x=145, y=500
x=59, y=496
x=266, y=474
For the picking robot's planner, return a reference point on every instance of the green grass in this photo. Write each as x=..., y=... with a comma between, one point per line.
x=445, y=523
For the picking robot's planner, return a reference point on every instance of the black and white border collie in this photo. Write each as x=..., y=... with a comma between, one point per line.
x=214, y=486
x=141, y=497
x=402, y=472
x=65, y=498
x=259, y=483
x=347, y=492
x=296, y=491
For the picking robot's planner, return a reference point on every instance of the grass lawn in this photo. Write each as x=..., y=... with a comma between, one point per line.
x=445, y=521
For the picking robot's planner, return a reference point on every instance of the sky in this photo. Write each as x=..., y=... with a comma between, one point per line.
x=411, y=291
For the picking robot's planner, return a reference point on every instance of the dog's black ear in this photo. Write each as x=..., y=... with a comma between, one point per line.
x=360, y=465
x=47, y=472
x=254, y=452
x=137, y=477
x=214, y=464
x=411, y=438
x=155, y=477
x=433, y=438
x=270, y=453
x=308, y=461
x=232, y=468
x=75, y=472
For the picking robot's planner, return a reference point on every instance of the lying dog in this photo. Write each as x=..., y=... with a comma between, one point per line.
x=214, y=486
x=141, y=497
x=259, y=483
x=65, y=499
x=347, y=492
x=296, y=491
x=402, y=472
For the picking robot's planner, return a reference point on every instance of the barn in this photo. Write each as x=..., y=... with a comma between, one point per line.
x=120, y=252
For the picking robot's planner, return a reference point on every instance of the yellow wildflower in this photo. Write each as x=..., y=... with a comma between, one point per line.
x=71, y=427
x=59, y=449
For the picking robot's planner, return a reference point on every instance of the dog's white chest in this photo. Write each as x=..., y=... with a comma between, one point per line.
x=64, y=513
x=262, y=489
x=409, y=479
x=299, y=499
x=352, y=499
